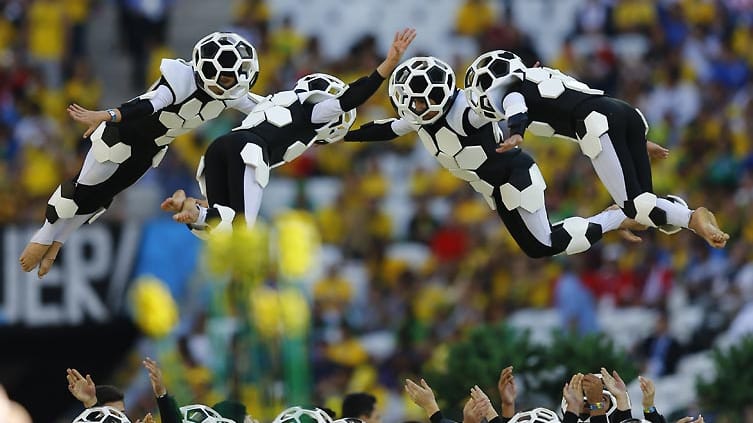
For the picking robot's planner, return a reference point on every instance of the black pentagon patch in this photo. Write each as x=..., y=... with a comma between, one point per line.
x=227, y=59
x=629, y=209
x=51, y=214
x=500, y=67
x=485, y=81
x=418, y=84
x=658, y=216
x=67, y=189
x=580, y=128
x=111, y=135
x=560, y=237
x=593, y=233
x=507, y=55
x=437, y=94
x=209, y=49
x=208, y=70
x=436, y=74
x=520, y=179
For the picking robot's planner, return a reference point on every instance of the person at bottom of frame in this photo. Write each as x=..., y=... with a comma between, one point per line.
x=235, y=169
x=609, y=131
x=465, y=142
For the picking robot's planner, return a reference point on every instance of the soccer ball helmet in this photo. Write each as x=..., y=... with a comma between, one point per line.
x=321, y=86
x=101, y=415
x=537, y=415
x=491, y=70
x=200, y=413
x=421, y=89
x=303, y=415
x=225, y=54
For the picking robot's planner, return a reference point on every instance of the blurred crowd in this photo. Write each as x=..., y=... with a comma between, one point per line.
x=685, y=63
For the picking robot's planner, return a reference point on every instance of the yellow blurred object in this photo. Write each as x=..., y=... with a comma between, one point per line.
x=264, y=310
x=46, y=23
x=41, y=173
x=445, y=183
x=298, y=243
x=349, y=353
x=154, y=309
x=156, y=54
x=242, y=253
x=294, y=312
x=474, y=17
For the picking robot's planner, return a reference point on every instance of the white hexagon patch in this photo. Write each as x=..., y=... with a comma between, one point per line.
x=65, y=208
x=576, y=227
x=483, y=187
x=536, y=75
x=551, y=88
x=596, y=124
x=490, y=202
x=448, y=142
x=471, y=157
x=294, y=150
x=278, y=116
x=541, y=129
x=466, y=175
x=163, y=140
x=119, y=153
x=446, y=161
x=590, y=146
x=644, y=204
x=157, y=159
x=510, y=196
x=285, y=98
x=170, y=120
x=212, y=109
x=428, y=142
x=189, y=109
x=253, y=119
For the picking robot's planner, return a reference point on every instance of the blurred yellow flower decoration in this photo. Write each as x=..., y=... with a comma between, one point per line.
x=242, y=253
x=154, y=309
x=298, y=243
x=276, y=313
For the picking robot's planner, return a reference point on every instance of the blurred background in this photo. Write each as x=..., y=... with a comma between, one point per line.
x=373, y=263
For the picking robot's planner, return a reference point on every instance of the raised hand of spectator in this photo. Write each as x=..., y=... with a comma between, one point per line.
x=481, y=404
x=155, y=377
x=82, y=388
x=617, y=387
x=573, y=393
x=507, y=391
x=471, y=414
x=648, y=390
x=422, y=395
x=691, y=419
x=147, y=419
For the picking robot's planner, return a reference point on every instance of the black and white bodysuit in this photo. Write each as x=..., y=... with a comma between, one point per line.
x=464, y=142
x=609, y=131
x=121, y=153
x=235, y=168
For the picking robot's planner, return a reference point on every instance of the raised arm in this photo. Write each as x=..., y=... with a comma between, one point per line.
x=168, y=408
x=380, y=130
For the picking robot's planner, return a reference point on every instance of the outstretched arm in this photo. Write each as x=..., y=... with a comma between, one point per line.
x=168, y=408
x=360, y=91
x=380, y=130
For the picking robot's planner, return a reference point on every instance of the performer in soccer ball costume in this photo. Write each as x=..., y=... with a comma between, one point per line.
x=235, y=169
x=423, y=91
x=609, y=131
x=129, y=140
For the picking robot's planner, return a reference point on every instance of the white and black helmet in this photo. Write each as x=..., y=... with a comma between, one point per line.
x=225, y=54
x=420, y=86
x=303, y=415
x=101, y=415
x=321, y=86
x=200, y=413
x=491, y=70
x=537, y=415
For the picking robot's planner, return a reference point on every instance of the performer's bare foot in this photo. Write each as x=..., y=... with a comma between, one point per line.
x=703, y=222
x=189, y=213
x=174, y=204
x=32, y=255
x=49, y=258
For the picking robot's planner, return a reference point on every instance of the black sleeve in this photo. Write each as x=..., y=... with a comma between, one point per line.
x=439, y=418
x=518, y=123
x=570, y=418
x=372, y=131
x=599, y=419
x=134, y=109
x=503, y=419
x=168, y=409
x=654, y=417
x=620, y=415
x=360, y=91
